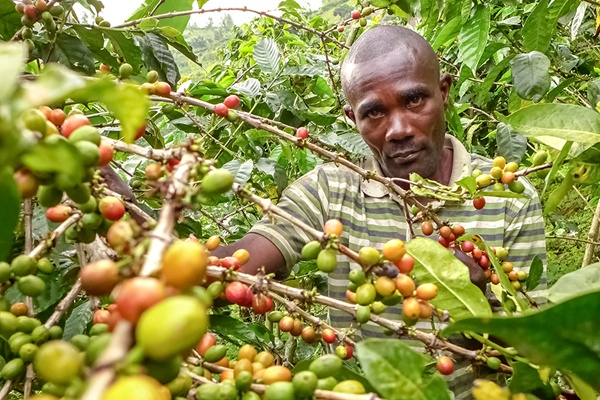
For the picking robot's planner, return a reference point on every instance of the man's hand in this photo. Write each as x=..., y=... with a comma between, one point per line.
x=475, y=272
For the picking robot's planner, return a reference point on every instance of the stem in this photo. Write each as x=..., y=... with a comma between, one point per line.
x=28, y=221
x=592, y=237
x=297, y=25
x=5, y=390
x=573, y=239
x=293, y=308
x=161, y=235
x=51, y=241
x=147, y=152
x=64, y=304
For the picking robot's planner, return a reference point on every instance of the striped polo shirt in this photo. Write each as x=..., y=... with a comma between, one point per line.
x=371, y=217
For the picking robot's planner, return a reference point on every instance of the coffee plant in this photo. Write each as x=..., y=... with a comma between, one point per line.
x=121, y=181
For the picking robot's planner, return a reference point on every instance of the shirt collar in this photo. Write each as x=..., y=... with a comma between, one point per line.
x=461, y=167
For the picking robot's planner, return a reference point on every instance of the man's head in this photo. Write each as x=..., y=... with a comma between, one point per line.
x=397, y=99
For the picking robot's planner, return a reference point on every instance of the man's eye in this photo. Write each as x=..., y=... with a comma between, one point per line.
x=374, y=114
x=415, y=101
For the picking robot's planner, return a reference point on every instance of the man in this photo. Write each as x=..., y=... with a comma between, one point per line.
x=397, y=99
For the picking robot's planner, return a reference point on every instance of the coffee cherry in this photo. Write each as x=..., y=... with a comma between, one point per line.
x=58, y=213
x=152, y=76
x=406, y=264
x=302, y=133
x=162, y=89
x=494, y=279
x=388, y=270
x=483, y=180
x=328, y=335
x=467, y=246
x=411, y=308
x=445, y=365
x=511, y=167
x=405, y=285
x=427, y=228
x=99, y=278
x=427, y=291
x=111, y=208
x=539, y=158
x=221, y=110
x=508, y=177
x=333, y=227
x=479, y=203
x=393, y=250
x=355, y=14
x=368, y=256
x=499, y=162
x=232, y=101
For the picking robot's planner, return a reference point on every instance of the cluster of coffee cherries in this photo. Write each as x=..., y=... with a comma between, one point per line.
x=226, y=109
x=31, y=13
x=501, y=174
x=359, y=15
x=252, y=366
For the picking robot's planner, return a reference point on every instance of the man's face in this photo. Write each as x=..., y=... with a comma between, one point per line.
x=398, y=103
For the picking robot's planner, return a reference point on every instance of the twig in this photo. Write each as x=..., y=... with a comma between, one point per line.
x=531, y=170
x=573, y=239
x=293, y=308
x=147, y=152
x=45, y=244
x=161, y=235
x=5, y=390
x=28, y=221
x=29, y=377
x=319, y=394
x=399, y=328
x=216, y=221
x=104, y=372
x=592, y=236
x=244, y=9
x=64, y=304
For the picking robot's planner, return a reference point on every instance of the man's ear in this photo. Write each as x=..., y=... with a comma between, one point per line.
x=445, y=84
x=349, y=113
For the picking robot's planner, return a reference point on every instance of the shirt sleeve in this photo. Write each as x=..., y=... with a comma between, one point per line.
x=525, y=235
x=307, y=199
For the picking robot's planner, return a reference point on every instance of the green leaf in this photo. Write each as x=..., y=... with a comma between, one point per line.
x=302, y=70
x=77, y=322
x=447, y=33
x=241, y=171
x=249, y=87
x=584, y=280
x=380, y=3
x=235, y=330
x=489, y=80
x=535, y=273
x=469, y=183
x=10, y=205
x=129, y=104
x=536, y=32
x=72, y=52
x=473, y=37
x=531, y=76
x=557, y=163
x=10, y=20
x=157, y=56
x=435, y=264
x=582, y=389
x=266, y=55
x=511, y=145
x=59, y=156
x=54, y=84
x=559, y=88
x=13, y=56
x=564, y=336
x=395, y=370
x=176, y=40
x=93, y=38
x=125, y=45
x=565, y=121
x=429, y=12
x=526, y=379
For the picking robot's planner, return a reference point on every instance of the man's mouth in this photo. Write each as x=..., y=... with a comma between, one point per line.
x=405, y=156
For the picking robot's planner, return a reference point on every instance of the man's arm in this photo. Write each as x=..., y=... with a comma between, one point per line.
x=263, y=253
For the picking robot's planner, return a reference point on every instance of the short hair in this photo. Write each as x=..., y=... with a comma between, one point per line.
x=385, y=39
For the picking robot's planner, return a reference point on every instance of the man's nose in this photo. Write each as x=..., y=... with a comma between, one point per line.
x=398, y=128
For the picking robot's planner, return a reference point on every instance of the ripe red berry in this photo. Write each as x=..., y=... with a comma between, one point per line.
x=302, y=133
x=222, y=110
x=355, y=14
x=30, y=11
x=445, y=365
x=140, y=132
x=467, y=246
x=111, y=208
x=328, y=335
x=479, y=203
x=232, y=101
x=162, y=89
